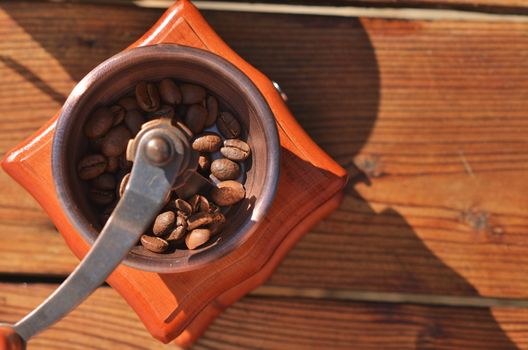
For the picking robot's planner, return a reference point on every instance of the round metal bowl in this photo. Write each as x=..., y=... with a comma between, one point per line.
x=116, y=77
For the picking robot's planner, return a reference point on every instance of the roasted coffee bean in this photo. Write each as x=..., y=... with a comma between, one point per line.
x=100, y=197
x=164, y=223
x=116, y=141
x=218, y=224
x=183, y=206
x=236, y=150
x=99, y=123
x=91, y=166
x=129, y=103
x=112, y=165
x=194, y=202
x=181, y=220
x=170, y=92
x=179, y=230
x=204, y=164
x=147, y=96
x=154, y=244
x=195, y=118
x=212, y=110
x=199, y=219
x=228, y=193
x=199, y=203
x=225, y=169
x=119, y=114
x=133, y=120
x=192, y=93
x=123, y=184
x=228, y=125
x=216, y=228
x=197, y=237
x=207, y=143
x=164, y=111
x=177, y=234
x=104, y=181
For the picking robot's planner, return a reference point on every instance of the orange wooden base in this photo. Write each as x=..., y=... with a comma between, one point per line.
x=180, y=306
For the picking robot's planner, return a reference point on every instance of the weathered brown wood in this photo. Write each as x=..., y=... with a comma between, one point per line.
x=489, y=6
x=493, y=6
x=106, y=322
x=432, y=112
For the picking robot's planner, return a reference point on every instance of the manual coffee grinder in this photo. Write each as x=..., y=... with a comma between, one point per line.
x=292, y=183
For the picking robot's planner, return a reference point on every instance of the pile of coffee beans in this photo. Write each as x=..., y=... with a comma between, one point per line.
x=183, y=223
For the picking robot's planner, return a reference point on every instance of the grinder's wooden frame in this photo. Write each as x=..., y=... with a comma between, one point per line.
x=181, y=306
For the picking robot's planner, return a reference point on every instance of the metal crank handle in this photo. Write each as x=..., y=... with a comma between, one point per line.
x=159, y=153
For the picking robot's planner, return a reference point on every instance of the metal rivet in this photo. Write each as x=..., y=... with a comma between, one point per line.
x=158, y=150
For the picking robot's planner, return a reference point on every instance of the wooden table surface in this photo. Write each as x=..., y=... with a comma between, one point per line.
x=429, y=249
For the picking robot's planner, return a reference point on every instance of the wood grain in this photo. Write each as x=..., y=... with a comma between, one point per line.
x=493, y=6
x=429, y=118
x=106, y=322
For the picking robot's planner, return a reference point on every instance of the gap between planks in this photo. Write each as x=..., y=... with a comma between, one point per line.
x=336, y=11
x=327, y=294
x=387, y=297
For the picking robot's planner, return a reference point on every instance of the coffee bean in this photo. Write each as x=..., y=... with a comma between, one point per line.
x=133, y=120
x=123, y=184
x=170, y=92
x=199, y=219
x=192, y=109
x=194, y=202
x=218, y=224
x=147, y=96
x=116, y=141
x=207, y=143
x=119, y=114
x=177, y=234
x=228, y=125
x=104, y=181
x=228, y=193
x=99, y=123
x=128, y=103
x=164, y=111
x=195, y=118
x=225, y=169
x=100, y=197
x=112, y=165
x=212, y=110
x=183, y=206
x=236, y=150
x=197, y=237
x=192, y=93
x=91, y=166
x=204, y=164
x=154, y=244
x=199, y=203
x=164, y=223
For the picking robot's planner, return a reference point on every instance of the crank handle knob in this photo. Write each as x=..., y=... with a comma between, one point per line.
x=9, y=339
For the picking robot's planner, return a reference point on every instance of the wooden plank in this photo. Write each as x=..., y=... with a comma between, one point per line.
x=434, y=113
x=493, y=6
x=104, y=321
